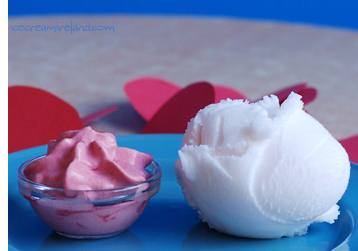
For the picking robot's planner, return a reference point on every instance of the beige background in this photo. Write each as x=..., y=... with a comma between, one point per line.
x=89, y=69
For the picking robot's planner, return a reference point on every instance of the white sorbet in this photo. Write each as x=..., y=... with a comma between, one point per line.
x=261, y=170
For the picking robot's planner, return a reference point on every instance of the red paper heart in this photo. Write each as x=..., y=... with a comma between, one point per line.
x=224, y=92
x=174, y=115
x=308, y=94
x=37, y=116
x=351, y=146
x=282, y=94
x=148, y=95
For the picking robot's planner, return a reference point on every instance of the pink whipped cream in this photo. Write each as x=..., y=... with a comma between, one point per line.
x=88, y=160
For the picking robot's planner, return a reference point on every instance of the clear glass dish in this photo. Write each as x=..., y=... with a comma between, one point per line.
x=89, y=213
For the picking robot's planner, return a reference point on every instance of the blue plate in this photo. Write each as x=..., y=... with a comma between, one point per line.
x=168, y=223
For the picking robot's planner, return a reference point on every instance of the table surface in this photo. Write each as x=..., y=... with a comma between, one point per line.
x=89, y=69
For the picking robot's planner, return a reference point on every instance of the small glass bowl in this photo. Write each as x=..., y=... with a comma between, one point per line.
x=89, y=214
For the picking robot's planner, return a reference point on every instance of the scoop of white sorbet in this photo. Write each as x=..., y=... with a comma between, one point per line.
x=261, y=170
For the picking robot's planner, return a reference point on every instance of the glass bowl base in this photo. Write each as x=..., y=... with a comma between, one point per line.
x=83, y=237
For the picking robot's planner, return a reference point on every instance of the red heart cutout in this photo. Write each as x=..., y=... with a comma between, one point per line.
x=351, y=146
x=148, y=94
x=282, y=94
x=308, y=93
x=174, y=115
x=147, y=102
x=224, y=92
x=37, y=116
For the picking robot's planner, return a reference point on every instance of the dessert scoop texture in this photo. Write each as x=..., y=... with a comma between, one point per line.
x=261, y=170
x=88, y=160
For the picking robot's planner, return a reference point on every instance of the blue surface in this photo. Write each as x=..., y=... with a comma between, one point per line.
x=168, y=223
x=319, y=12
